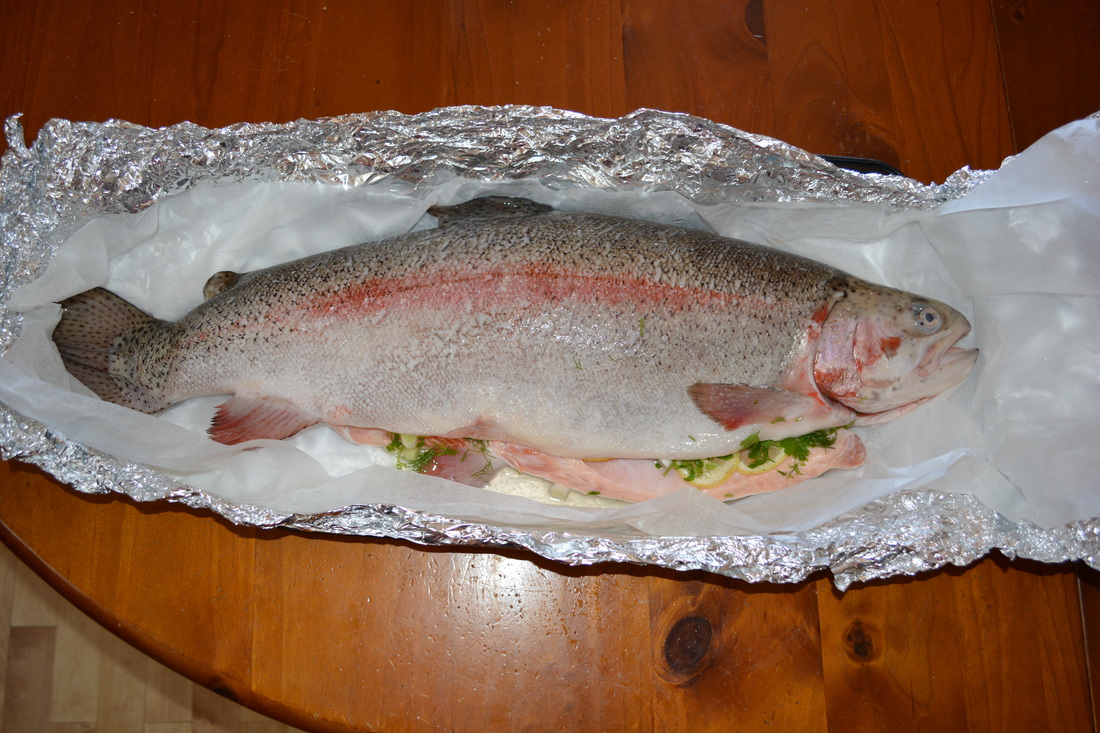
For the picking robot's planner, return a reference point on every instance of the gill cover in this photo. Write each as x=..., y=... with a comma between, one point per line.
x=886, y=351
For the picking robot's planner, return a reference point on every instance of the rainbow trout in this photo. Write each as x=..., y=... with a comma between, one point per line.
x=554, y=340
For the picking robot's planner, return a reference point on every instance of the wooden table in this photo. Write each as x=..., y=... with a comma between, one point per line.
x=338, y=634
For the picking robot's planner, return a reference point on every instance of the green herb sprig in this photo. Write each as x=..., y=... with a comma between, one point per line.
x=693, y=468
x=481, y=448
x=419, y=455
x=797, y=447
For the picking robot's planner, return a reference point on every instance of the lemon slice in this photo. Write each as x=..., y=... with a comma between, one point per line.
x=776, y=456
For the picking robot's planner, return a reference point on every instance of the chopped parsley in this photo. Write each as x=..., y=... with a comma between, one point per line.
x=755, y=456
x=757, y=451
x=695, y=468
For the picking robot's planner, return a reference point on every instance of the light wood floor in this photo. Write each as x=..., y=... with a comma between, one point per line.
x=61, y=672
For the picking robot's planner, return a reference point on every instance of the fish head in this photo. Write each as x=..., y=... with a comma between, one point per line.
x=882, y=352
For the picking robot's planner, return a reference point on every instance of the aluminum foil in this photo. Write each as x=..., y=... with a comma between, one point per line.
x=77, y=171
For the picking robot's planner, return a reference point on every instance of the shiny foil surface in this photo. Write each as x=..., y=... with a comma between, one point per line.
x=75, y=172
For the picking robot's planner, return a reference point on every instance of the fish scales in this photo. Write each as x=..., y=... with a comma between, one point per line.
x=554, y=337
x=469, y=325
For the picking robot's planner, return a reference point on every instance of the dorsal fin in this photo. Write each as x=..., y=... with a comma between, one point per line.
x=488, y=207
x=219, y=282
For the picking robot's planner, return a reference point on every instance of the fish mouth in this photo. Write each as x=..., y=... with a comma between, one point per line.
x=946, y=361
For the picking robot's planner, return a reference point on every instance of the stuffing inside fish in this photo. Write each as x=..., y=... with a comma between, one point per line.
x=607, y=354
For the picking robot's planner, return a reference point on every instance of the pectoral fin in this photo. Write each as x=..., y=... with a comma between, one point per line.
x=736, y=405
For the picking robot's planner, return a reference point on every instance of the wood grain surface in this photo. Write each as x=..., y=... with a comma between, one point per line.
x=338, y=634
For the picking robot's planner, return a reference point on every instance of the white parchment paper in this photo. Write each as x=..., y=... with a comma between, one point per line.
x=1019, y=255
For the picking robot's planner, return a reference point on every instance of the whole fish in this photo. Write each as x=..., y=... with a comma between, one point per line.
x=553, y=340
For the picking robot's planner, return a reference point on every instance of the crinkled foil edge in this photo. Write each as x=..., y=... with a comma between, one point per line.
x=76, y=171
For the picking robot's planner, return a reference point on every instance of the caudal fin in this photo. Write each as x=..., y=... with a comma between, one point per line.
x=91, y=323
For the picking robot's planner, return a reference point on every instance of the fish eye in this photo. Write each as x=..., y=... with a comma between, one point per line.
x=928, y=319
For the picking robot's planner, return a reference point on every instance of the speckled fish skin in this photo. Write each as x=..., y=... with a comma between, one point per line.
x=577, y=334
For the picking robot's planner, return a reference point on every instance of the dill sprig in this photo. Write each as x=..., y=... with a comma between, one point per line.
x=480, y=447
x=419, y=455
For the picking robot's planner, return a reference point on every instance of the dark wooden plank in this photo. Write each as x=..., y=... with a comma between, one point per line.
x=832, y=92
x=1088, y=585
x=913, y=84
x=944, y=76
x=905, y=83
x=707, y=58
x=1051, y=63
x=217, y=64
x=731, y=656
x=839, y=81
x=996, y=647
x=1025, y=667
x=561, y=54
x=893, y=658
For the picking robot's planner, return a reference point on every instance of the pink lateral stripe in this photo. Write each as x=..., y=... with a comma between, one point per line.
x=534, y=282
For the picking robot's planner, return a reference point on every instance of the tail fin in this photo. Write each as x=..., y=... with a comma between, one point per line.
x=91, y=324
